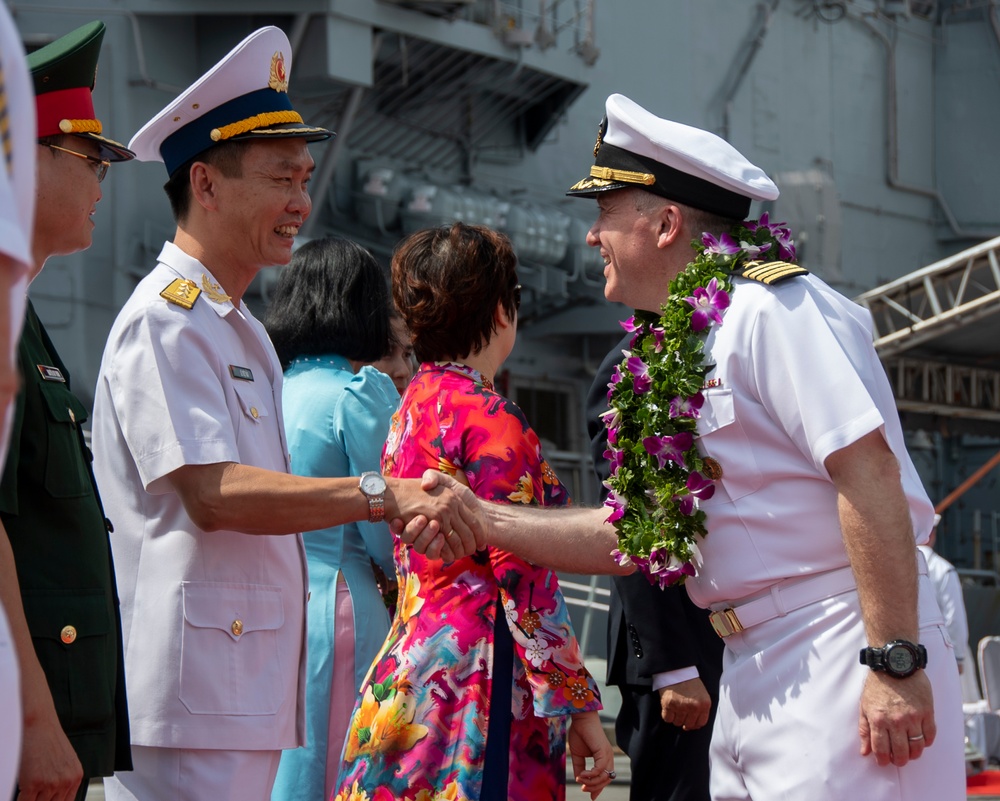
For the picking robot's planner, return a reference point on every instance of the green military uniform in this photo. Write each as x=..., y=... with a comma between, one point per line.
x=49, y=504
x=52, y=513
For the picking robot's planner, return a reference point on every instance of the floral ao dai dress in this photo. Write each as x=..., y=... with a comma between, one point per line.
x=420, y=730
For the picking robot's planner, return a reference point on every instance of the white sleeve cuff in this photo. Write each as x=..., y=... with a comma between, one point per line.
x=661, y=680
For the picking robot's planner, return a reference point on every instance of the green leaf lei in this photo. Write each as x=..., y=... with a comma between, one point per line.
x=657, y=474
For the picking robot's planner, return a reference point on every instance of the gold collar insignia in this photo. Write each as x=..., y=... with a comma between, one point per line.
x=213, y=290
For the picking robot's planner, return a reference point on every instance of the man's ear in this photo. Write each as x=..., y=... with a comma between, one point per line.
x=670, y=225
x=204, y=185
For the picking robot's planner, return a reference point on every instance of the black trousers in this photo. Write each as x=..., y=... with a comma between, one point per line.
x=668, y=764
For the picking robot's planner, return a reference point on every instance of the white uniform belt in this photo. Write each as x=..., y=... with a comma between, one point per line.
x=787, y=596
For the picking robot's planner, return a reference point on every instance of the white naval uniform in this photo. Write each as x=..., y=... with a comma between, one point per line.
x=213, y=623
x=17, y=179
x=795, y=379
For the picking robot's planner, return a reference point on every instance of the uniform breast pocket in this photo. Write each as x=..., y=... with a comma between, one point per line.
x=230, y=660
x=250, y=403
x=66, y=474
x=722, y=437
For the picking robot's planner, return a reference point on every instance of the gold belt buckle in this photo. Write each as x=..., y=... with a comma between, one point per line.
x=725, y=622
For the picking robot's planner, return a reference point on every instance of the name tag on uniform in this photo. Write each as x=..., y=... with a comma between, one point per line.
x=51, y=373
x=242, y=373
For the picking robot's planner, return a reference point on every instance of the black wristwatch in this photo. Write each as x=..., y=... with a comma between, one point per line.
x=898, y=658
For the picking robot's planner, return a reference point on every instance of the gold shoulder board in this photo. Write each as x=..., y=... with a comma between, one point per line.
x=181, y=291
x=771, y=272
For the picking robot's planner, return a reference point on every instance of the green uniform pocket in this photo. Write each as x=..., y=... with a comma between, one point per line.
x=72, y=634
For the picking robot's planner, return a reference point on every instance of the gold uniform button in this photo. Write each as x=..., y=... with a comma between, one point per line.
x=68, y=634
x=237, y=627
x=72, y=416
x=711, y=468
x=254, y=413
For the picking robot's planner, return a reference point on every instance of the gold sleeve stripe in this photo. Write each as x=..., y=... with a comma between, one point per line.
x=80, y=126
x=625, y=176
x=256, y=121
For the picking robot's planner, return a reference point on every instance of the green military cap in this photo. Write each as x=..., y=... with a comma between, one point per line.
x=64, y=73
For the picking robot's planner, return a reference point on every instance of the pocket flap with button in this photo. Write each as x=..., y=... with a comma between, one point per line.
x=74, y=636
x=48, y=614
x=63, y=405
x=236, y=609
x=250, y=402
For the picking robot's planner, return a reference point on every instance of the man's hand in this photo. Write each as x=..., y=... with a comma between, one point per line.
x=686, y=704
x=897, y=718
x=443, y=518
x=50, y=769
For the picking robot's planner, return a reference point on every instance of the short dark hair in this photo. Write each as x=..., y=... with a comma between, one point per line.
x=226, y=157
x=447, y=282
x=331, y=298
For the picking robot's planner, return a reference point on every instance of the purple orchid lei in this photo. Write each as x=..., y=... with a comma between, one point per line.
x=654, y=402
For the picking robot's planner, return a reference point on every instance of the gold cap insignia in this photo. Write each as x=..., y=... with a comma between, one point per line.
x=623, y=176
x=279, y=79
x=600, y=135
x=591, y=183
x=182, y=292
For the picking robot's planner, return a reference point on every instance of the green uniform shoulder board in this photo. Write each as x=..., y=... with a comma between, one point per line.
x=771, y=272
x=181, y=291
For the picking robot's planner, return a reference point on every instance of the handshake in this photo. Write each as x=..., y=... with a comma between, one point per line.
x=438, y=516
x=441, y=518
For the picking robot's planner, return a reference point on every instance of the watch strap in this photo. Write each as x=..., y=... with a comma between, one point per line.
x=376, y=508
x=877, y=658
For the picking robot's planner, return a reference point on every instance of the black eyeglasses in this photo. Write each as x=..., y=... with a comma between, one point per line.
x=100, y=165
x=517, y=297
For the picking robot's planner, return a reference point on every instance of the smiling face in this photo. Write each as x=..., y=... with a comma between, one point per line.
x=630, y=232
x=262, y=210
x=66, y=198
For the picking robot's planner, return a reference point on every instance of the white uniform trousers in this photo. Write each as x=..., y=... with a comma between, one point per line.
x=179, y=774
x=787, y=724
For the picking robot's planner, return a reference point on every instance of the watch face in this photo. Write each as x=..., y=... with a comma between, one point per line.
x=372, y=484
x=900, y=659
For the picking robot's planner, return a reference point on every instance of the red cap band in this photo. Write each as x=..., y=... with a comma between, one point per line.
x=63, y=104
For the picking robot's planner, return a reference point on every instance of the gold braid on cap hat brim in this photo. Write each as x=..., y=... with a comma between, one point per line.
x=80, y=126
x=256, y=121
x=625, y=176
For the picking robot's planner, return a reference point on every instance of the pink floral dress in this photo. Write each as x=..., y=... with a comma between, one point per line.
x=419, y=730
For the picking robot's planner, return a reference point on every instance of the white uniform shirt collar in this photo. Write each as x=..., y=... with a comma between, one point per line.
x=189, y=267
